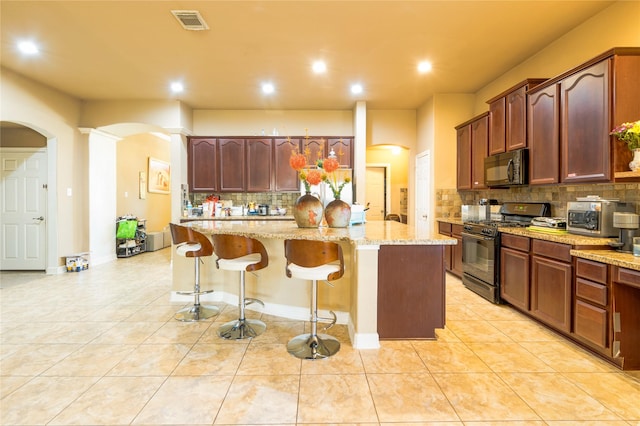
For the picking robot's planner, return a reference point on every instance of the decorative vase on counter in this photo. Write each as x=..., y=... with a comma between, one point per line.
x=338, y=214
x=634, y=165
x=307, y=211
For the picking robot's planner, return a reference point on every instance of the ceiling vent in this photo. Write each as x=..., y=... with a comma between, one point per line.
x=190, y=20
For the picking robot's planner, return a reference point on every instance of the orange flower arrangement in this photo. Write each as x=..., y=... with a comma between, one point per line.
x=298, y=162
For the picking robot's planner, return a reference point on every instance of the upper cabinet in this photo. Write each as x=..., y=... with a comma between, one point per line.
x=203, y=166
x=286, y=178
x=255, y=164
x=582, y=106
x=472, y=146
x=508, y=117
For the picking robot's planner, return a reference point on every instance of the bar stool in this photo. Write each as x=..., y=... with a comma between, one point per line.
x=314, y=260
x=238, y=253
x=191, y=243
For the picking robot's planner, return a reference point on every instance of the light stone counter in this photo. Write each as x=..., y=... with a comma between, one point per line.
x=354, y=297
x=611, y=257
x=571, y=239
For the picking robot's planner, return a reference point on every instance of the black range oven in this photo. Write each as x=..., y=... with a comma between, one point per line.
x=481, y=247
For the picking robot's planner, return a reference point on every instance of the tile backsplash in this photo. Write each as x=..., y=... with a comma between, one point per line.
x=449, y=201
x=273, y=199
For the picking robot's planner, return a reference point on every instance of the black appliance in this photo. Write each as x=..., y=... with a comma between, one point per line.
x=506, y=169
x=481, y=247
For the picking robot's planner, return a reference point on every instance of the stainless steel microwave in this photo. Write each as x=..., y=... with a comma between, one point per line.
x=506, y=169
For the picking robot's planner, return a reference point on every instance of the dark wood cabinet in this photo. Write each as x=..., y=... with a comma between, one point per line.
x=203, y=165
x=544, y=136
x=508, y=117
x=444, y=228
x=419, y=302
x=591, y=305
x=456, y=251
x=479, y=149
x=514, y=271
x=551, y=277
x=314, y=149
x=285, y=178
x=232, y=164
x=343, y=148
x=626, y=317
x=259, y=165
x=472, y=148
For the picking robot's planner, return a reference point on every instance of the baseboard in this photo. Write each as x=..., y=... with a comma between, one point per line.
x=362, y=340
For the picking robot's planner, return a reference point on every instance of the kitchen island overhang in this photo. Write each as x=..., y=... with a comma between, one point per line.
x=355, y=296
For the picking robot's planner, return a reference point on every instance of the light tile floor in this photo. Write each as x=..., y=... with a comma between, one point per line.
x=101, y=347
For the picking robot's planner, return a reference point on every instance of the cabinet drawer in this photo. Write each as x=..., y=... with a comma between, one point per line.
x=551, y=250
x=626, y=276
x=456, y=230
x=594, y=292
x=515, y=242
x=444, y=228
x=594, y=271
x=591, y=323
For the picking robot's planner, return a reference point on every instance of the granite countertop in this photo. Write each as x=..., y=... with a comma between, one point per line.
x=245, y=217
x=611, y=257
x=370, y=233
x=452, y=220
x=572, y=239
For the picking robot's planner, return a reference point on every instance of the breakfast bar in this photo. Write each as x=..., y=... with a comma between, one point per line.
x=392, y=288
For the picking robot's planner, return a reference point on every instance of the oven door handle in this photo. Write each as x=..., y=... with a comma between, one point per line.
x=477, y=237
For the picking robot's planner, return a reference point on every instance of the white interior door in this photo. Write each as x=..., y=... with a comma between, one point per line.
x=423, y=191
x=24, y=199
x=375, y=193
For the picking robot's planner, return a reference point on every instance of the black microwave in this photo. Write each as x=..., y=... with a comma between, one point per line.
x=506, y=169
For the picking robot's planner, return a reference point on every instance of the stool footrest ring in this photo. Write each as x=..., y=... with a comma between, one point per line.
x=332, y=320
x=250, y=300
x=193, y=293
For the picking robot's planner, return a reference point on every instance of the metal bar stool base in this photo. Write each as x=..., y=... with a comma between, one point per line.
x=197, y=313
x=306, y=346
x=242, y=329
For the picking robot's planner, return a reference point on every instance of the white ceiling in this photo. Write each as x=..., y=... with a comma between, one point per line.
x=132, y=49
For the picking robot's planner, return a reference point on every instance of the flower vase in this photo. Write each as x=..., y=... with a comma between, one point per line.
x=337, y=213
x=307, y=211
x=634, y=165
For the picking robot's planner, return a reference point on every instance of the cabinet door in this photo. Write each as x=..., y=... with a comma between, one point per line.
x=464, y=157
x=259, y=165
x=514, y=277
x=544, y=136
x=551, y=292
x=516, y=118
x=314, y=149
x=591, y=324
x=479, y=148
x=202, y=165
x=343, y=148
x=585, y=125
x=232, y=165
x=497, y=132
x=286, y=179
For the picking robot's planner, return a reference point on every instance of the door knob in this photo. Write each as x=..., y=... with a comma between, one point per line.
x=41, y=218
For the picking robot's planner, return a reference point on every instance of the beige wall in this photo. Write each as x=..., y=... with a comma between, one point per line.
x=391, y=127
x=170, y=114
x=20, y=137
x=399, y=164
x=132, y=154
x=286, y=123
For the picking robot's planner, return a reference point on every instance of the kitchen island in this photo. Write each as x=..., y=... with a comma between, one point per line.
x=393, y=286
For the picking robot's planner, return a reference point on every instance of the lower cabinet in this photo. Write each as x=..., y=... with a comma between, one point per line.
x=514, y=270
x=591, y=305
x=551, y=291
x=452, y=254
x=625, y=302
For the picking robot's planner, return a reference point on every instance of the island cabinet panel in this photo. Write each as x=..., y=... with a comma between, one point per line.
x=544, y=136
x=626, y=311
x=411, y=291
x=514, y=270
x=203, y=166
x=285, y=178
x=259, y=169
x=343, y=149
x=232, y=165
x=551, y=278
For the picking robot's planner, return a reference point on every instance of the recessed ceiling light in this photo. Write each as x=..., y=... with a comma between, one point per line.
x=177, y=87
x=268, y=88
x=28, y=47
x=356, y=88
x=424, y=67
x=319, y=67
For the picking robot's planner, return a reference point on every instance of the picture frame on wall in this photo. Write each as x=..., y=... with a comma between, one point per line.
x=159, y=176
